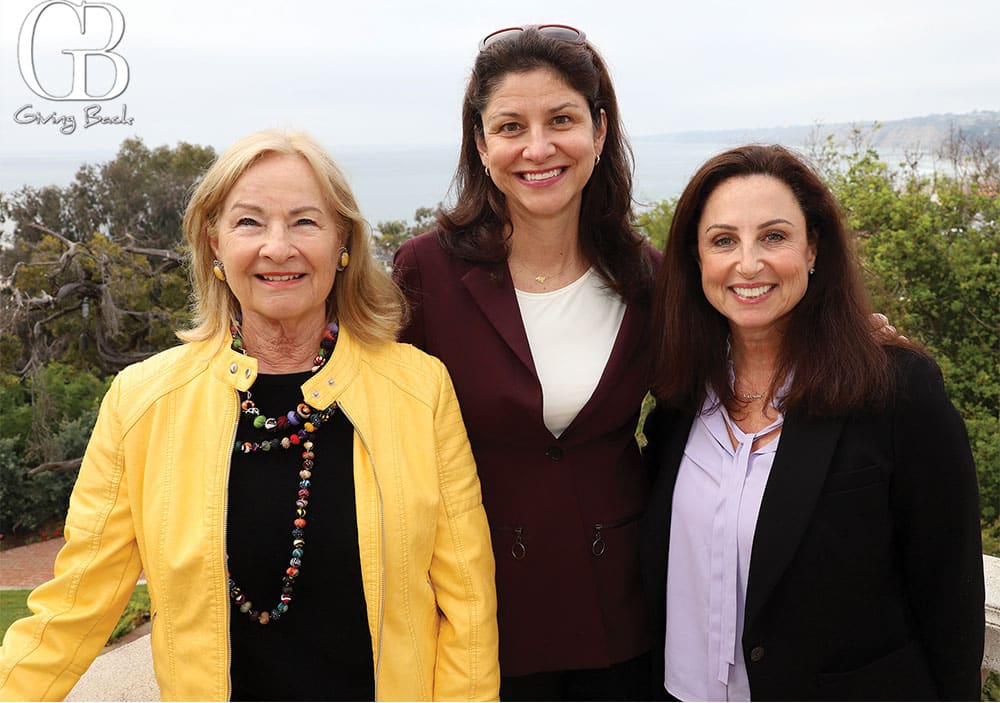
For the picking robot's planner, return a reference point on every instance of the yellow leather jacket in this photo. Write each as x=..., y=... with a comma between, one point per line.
x=152, y=495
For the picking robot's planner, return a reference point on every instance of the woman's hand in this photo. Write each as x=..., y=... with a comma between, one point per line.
x=881, y=329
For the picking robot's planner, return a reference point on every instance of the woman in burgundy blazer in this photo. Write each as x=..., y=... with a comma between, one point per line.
x=564, y=512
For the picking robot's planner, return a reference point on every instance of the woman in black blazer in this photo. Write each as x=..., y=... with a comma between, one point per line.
x=826, y=544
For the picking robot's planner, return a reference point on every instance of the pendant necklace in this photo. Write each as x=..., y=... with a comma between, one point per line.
x=747, y=396
x=297, y=427
x=538, y=278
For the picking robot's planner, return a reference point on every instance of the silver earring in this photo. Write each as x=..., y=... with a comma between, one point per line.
x=812, y=270
x=487, y=170
x=597, y=159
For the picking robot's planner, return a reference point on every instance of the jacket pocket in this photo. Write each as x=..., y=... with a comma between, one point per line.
x=844, y=481
x=599, y=546
x=900, y=675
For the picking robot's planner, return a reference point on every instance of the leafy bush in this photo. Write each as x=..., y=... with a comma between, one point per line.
x=28, y=502
x=46, y=417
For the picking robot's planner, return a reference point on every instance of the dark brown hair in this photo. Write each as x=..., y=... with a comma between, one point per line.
x=477, y=227
x=838, y=364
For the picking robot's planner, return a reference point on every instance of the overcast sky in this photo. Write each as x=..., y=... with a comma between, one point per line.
x=392, y=72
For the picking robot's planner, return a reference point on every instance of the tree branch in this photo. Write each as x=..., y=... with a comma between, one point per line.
x=167, y=254
x=57, y=466
x=176, y=257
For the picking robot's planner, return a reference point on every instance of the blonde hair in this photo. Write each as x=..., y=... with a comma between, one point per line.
x=364, y=298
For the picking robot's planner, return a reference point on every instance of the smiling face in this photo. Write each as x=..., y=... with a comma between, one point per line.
x=278, y=240
x=540, y=143
x=754, y=253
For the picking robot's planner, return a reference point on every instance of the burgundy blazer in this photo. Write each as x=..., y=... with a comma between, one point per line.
x=564, y=513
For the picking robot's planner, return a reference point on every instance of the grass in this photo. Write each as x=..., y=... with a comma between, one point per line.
x=13, y=606
x=991, y=688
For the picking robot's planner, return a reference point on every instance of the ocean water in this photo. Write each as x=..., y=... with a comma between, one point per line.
x=390, y=183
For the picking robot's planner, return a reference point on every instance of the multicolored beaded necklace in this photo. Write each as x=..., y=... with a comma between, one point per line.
x=300, y=424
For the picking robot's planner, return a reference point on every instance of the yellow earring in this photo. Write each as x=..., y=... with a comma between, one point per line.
x=219, y=270
x=345, y=259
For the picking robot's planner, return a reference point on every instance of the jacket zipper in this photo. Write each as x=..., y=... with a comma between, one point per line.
x=518, y=549
x=225, y=553
x=599, y=546
x=381, y=525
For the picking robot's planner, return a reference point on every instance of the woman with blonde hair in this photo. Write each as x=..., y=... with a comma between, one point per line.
x=297, y=487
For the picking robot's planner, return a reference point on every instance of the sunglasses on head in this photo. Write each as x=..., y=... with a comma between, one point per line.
x=555, y=31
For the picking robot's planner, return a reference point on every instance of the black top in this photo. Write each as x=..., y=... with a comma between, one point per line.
x=321, y=649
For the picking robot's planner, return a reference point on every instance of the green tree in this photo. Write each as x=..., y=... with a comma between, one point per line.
x=91, y=273
x=138, y=197
x=90, y=304
x=392, y=233
x=91, y=279
x=930, y=245
x=655, y=222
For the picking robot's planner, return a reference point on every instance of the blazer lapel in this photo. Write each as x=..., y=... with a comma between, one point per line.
x=499, y=305
x=797, y=476
x=667, y=432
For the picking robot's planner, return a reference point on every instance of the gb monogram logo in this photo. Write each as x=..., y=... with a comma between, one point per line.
x=78, y=88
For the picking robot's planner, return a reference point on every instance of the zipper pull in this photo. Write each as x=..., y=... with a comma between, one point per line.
x=518, y=550
x=599, y=546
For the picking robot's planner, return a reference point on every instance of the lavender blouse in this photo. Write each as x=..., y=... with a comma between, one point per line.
x=715, y=504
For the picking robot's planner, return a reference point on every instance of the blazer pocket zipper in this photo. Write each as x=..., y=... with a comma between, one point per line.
x=599, y=546
x=518, y=549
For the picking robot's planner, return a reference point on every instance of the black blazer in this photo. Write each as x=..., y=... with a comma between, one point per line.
x=866, y=575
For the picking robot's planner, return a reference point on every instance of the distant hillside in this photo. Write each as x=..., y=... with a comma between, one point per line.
x=925, y=133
